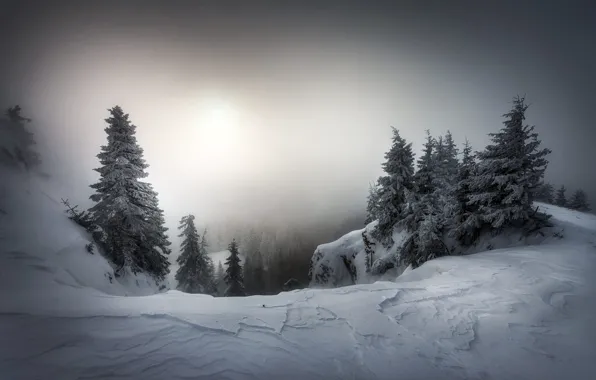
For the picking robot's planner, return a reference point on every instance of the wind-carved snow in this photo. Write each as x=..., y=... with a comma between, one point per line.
x=517, y=313
x=521, y=313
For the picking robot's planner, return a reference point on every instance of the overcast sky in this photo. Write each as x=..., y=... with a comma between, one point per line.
x=283, y=108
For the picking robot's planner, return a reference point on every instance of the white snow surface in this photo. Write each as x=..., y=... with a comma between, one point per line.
x=518, y=313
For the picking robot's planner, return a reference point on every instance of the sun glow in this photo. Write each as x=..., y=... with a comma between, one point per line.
x=218, y=129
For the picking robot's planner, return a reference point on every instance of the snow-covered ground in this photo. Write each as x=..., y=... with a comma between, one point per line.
x=518, y=313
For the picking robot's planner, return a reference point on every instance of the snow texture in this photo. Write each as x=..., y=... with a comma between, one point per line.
x=518, y=313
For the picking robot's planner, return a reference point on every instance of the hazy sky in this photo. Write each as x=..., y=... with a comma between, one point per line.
x=285, y=107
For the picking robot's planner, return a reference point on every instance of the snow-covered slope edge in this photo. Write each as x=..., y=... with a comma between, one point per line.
x=40, y=246
x=329, y=264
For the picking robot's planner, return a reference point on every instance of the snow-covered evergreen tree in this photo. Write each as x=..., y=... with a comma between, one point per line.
x=126, y=208
x=372, y=204
x=424, y=177
x=428, y=238
x=233, y=277
x=466, y=219
x=579, y=201
x=561, y=199
x=423, y=190
x=393, y=187
x=195, y=274
x=509, y=174
x=546, y=193
x=427, y=205
x=451, y=163
x=444, y=170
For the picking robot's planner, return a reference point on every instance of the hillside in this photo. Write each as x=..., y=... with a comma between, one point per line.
x=42, y=248
x=517, y=313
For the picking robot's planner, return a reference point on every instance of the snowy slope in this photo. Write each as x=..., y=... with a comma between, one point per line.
x=41, y=247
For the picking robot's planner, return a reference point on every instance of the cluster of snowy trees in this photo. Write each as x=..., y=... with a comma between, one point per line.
x=578, y=201
x=197, y=274
x=448, y=200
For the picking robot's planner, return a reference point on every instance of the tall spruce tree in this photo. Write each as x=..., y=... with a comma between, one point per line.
x=126, y=209
x=393, y=187
x=233, y=277
x=195, y=274
x=509, y=174
x=579, y=201
x=561, y=200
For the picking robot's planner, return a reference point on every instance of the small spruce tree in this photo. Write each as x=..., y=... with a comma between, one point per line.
x=233, y=277
x=579, y=201
x=195, y=274
x=561, y=199
x=546, y=193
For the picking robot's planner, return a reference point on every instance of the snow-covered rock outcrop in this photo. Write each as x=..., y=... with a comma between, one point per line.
x=343, y=262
